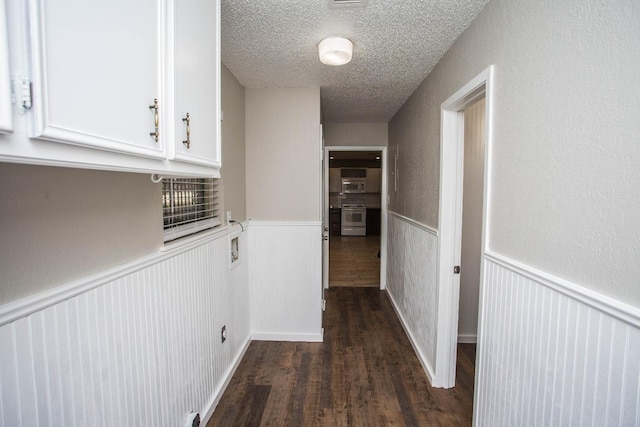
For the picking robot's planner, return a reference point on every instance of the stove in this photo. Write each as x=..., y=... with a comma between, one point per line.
x=354, y=219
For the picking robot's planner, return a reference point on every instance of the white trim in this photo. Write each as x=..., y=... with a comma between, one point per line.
x=25, y=306
x=423, y=360
x=254, y=223
x=325, y=214
x=217, y=395
x=265, y=336
x=188, y=240
x=384, y=212
x=610, y=306
x=467, y=338
x=415, y=223
x=6, y=112
x=450, y=216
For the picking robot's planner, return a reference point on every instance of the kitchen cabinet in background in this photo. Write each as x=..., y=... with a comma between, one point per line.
x=335, y=221
x=373, y=221
x=335, y=180
x=374, y=180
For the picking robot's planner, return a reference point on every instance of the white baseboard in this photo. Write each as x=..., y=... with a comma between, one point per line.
x=262, y=336
x=467, y=338
x=215, y=399
x=416, y=349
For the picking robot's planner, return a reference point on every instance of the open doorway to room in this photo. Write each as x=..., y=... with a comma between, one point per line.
x=471, y=243
x=463, y=223
x=354, y=192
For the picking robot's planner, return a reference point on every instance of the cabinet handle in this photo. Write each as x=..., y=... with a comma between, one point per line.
x=155, y=109
x=187, y=120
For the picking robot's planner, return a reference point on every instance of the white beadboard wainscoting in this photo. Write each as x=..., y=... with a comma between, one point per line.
x=553, y=353
x=285, y=280
x=412, y=283
x=136, y=345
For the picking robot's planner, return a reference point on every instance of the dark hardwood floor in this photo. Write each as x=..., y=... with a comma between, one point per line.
x=365, y=373
x=354, y=261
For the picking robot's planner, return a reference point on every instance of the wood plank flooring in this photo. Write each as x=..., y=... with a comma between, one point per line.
x=365, y=373
x=353, y=261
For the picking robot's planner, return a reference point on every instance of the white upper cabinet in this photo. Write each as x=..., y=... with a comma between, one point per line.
x=6, y=121
x=96, y=71
x=196, y=68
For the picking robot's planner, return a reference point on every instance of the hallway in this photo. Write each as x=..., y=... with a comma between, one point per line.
x=354, y=261
x=364, y=373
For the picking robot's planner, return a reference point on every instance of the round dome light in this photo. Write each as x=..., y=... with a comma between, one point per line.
x=335, y=50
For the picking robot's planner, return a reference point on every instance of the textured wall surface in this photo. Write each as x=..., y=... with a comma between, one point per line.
x=564, y=197
x=233, y=147
x=141, y=349
x=346, y=134
x=61, y=224
x=411, y=282
x=283, y=154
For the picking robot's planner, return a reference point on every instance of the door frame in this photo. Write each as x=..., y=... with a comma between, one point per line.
x=383, y=208
x=450, y=220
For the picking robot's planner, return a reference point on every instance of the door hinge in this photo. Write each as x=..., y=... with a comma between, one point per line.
x=25, y=91
x=456, y=269
x=324, y=304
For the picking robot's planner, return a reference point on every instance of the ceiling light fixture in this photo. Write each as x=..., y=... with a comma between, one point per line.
x=335, y=50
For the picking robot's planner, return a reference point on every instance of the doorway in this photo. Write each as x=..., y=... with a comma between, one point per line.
x=471, y=244
x=452, y=169
x=355, y=217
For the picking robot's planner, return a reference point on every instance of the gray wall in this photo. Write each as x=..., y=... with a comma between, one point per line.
x=233, y=147
x=357, y=134
x=283, y=154
x=60, y=224
x=565, y=172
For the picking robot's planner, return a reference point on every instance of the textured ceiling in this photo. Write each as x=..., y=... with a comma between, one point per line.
x=273, y=43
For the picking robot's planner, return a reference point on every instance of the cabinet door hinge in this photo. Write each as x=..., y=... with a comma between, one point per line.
x=25, y=91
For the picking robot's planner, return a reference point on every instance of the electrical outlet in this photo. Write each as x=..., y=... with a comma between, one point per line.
x=223, y=333
x=228, y=217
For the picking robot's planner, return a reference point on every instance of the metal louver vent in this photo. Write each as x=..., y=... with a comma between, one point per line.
x=347, y=3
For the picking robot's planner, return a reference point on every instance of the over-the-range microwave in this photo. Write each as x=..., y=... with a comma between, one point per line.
x=354, y=185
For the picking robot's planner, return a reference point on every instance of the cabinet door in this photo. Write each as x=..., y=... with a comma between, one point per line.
x=335, y=182
x=96, y=70
x=6, y=122
x=197, y=81
x=374, y=180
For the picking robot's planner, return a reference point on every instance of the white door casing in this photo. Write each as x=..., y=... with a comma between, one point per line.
x=325, y=213
x=450, y=218
x=383, y=204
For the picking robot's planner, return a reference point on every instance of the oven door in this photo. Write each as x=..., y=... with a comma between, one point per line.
x=354, y=217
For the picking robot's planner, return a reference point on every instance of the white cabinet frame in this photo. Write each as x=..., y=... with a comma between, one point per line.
x=6, y=117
